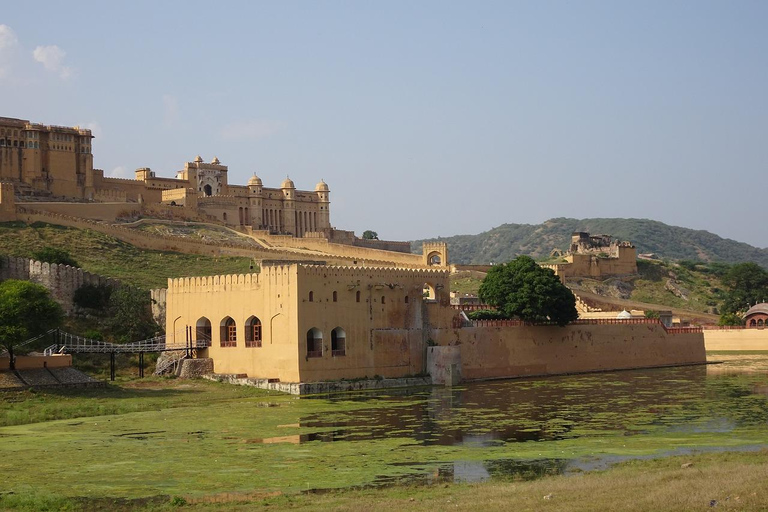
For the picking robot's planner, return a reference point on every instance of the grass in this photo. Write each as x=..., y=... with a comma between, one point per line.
x=140, y=443
x=105, y=255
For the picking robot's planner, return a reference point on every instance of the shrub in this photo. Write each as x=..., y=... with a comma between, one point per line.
x=54, y=255
x=486, y=314
x=93, y=296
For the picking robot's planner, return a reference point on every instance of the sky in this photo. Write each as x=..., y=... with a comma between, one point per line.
x=429, y=118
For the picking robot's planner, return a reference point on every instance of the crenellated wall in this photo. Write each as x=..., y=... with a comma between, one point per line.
x=61, y=280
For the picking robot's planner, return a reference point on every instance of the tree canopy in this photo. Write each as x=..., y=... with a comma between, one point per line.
x=523, y=289
x=747, y=285
x=26, y=310
x=370, y=235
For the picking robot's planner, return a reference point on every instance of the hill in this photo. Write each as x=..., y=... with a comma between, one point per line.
x=695, y=289
x=504, y=242
x=105, y=255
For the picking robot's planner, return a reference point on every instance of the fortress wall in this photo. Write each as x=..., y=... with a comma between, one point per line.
x=177, y=244
x=158, y=297
x=147, y=240
x=346, y=251
x=498, y=352
x=110, y=196
x=384, y=245
x=736, y=339
x=96, y=211
x=61, y=280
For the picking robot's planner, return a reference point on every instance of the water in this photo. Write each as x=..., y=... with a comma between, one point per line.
x=632, y=408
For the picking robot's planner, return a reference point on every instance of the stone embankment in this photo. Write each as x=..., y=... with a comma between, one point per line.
x=313, y=388
x=47, y=378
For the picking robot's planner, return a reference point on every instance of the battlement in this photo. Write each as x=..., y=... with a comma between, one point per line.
x=372, y=272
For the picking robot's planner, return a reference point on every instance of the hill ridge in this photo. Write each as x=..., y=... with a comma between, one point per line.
x=504, y=242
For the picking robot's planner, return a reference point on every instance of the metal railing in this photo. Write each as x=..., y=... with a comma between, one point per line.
x=73, y=344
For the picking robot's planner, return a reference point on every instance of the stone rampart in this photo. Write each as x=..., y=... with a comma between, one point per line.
x=158, y=296
x=61, y=280
x=735, y=339
x=151, y=241
x=490, y=352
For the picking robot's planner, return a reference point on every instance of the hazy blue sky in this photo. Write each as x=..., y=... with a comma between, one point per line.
x=425, y=118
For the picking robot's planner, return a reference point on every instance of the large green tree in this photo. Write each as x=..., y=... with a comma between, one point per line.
x=523, y=289
x=26, y=310
x=747, y=285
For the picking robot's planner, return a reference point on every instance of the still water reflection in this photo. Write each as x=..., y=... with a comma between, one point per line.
x=691, y=400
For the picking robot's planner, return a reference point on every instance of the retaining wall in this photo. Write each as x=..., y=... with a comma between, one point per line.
x=61, y=280
x=736, y=339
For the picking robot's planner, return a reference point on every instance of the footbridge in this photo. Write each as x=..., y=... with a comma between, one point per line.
x=186, y=342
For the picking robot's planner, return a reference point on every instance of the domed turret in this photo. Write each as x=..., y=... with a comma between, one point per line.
x=624, y=315
x=287, y=183
x=321, y=187
x=255, y=181
x=198, y=159
x=215, y=161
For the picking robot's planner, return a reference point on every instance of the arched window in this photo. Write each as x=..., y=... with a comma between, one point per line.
x=383, y=298
x=335, y=296
x=338, y=342
x=406, y=299
x=429, y=292
x=311, y=296
x=203, y=332
x=228, y=333
x=760, y=322
x=253, y=332
x=314, y=342
x=752, y=323
x=357, y=296
x=208, y=190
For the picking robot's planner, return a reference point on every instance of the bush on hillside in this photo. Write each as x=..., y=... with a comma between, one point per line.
x=54, y=255
x=93, y=296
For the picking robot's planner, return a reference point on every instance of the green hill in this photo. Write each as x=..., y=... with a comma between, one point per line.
x=503, y=243
x=105, y=255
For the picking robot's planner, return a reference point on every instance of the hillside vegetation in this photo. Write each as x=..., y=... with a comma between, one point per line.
x=105, y=255
x=503, y=243
x=685, y=285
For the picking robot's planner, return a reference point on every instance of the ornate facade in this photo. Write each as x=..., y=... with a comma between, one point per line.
x=46, y=160
x=56, y=162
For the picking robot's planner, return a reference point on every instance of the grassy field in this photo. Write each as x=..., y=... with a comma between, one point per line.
x=102, y=254
x=159, y=443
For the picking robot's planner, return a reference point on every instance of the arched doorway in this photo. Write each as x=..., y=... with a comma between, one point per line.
x=208, y=190
x=203, y=331
x=338, y=342
x=434, y=258
x=314, y=342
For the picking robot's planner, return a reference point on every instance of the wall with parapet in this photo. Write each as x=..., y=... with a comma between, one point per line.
x=735, y=338
x=158, y=296
x=61, y=280
x=97, y=211
x=343, y=250
x=38, y=362
x=517, y=351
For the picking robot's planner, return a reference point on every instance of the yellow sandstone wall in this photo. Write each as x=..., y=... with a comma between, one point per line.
x=270, y=296
x=37, y=362
x=495, y=352
x=736, y=339
x=383, y=330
